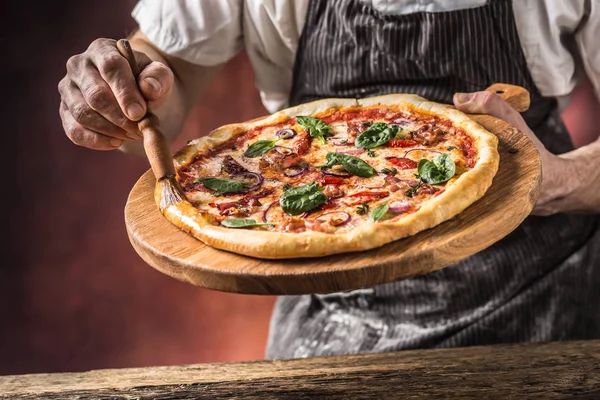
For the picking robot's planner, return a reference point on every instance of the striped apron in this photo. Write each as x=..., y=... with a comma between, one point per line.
x=540, y=283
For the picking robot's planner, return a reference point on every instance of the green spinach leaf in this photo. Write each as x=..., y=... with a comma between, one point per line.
x=316, y=128
x=301, y=199
x=223, y=185
x=244, y=223
x=438, y=170
x=352, y=164
x=376, y=135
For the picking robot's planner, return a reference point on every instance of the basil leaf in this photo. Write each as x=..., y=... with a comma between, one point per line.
x=301, y=199
x=243, y=223
x=376, y=135
x=223, y=185
x=259, y=148
x=379, y=212
x=316, y=127
x=356, y=166
x=438, y=170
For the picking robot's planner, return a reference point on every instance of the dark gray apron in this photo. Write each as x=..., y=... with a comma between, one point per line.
x=540, y=283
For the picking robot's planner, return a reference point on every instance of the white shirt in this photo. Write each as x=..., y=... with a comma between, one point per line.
x=211, y=32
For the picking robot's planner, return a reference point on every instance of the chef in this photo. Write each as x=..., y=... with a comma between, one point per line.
x=540, y=283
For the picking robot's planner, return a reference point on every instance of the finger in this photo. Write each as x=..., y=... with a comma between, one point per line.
x=486, y=102
x=99, y=96
x=116, y=72
x=84, y=137
x=156, y=82
x=87, y=117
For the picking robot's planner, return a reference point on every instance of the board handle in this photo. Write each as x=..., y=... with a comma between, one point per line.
x=156, y=146
x=516, y=96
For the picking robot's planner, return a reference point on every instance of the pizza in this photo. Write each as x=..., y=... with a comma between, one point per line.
x=331, y=176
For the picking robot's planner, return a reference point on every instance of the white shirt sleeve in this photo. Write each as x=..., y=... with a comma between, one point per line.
x=589, y=42
x=202, y=32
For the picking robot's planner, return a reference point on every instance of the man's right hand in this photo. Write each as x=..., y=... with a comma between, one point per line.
x=100, y=99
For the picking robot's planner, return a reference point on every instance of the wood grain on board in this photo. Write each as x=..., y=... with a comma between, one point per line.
x=504, y=206
x=521, y=371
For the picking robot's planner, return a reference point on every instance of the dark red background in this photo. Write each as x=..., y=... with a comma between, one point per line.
x=75, y=296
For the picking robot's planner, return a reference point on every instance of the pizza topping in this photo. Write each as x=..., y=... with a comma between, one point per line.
x=336, y=171
x=231, y=166
x=388, y=171
x=352, y=164
x=429, y=135
x=302, y=199
x=438, y=170
x=400, y=207
x=285, y=133
x=315, y=127
x=365, y=197
x=250, y=200
x=334, y=218
x=260, y=147
x=302, y=144
x=376, y=135
x=402, y=162
x=223, y=185
x=330, y=180
x=291, y=225
x=294, y=171
x=362, y=209
x=355, y=128
x=402, y=143
x=278, y=161
x=379, y=212
x=332, y=191
x=244, y=223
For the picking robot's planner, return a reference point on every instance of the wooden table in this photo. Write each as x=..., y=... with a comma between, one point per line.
x=525, y=371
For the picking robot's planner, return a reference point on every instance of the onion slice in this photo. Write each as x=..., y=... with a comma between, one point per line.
x=294, y=171
x=284, y=150
x=264, y=214
x=285, y=133
x=399, y=207
x=344, y=218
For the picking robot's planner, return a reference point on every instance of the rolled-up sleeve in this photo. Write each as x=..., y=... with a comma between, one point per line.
x=588, y=41
x=202, y=32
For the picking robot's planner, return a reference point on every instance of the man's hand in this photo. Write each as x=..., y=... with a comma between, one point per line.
x=568, y=182
x=100, y=99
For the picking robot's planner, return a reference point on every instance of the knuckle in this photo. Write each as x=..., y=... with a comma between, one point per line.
x=82, y=113
x=73, y=63
x=62, y=85
x=111, y=65
x=76, y=133
x=98, y=98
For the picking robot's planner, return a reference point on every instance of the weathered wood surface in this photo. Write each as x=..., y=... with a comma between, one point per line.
x=507, y=202
x=527, y=371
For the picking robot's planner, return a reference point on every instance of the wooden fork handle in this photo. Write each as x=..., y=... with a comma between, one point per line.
x=155, y=143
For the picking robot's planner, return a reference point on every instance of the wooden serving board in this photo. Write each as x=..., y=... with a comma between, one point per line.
x=505, y=205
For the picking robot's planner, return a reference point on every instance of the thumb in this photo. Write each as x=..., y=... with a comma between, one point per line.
x=156, y=82
x=486, y=102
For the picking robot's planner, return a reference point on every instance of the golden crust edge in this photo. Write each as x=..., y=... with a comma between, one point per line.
x=466, y=190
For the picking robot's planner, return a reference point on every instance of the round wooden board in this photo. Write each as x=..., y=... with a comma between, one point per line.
x=505, y=205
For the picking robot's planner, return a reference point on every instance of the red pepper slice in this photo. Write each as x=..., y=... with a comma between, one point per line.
x=402, y=163
x=402, y=143
x=330, y=180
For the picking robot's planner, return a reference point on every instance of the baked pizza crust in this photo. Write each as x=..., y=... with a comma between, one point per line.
x=468, y=188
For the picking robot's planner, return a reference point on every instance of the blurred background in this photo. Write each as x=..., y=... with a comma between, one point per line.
x=74, y=294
